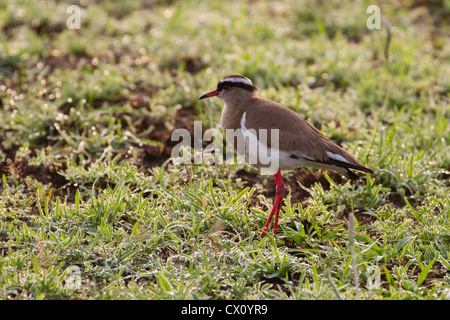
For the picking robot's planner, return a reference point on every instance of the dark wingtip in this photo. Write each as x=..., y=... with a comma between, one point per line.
x=353, y=176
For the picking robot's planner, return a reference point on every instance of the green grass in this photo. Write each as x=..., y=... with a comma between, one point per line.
x=89, y=209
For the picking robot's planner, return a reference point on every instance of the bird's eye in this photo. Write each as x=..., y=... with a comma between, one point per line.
x=226, y=88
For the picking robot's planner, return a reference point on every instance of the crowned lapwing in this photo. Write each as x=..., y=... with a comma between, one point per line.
x=299, y=143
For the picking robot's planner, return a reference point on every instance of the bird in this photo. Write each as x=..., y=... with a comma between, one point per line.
x=298, y=142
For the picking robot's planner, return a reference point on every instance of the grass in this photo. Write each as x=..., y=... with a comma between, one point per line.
x=93, y=207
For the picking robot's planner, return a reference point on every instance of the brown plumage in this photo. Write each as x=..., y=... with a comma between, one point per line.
x=296, y=135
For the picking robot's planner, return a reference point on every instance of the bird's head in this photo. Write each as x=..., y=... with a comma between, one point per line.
x=231, y=88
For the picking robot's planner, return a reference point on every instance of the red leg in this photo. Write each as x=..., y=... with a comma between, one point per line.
x=276, y=205
x=279, y=197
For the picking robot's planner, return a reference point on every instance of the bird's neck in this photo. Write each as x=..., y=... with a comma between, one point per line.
x=233, y=111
